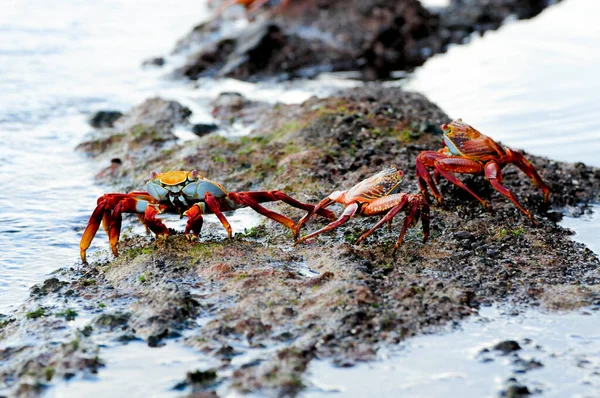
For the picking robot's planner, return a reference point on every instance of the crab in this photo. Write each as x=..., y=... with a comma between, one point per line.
x=466, y=150
x=250, y=5
x=185, y=193
x=375, y=196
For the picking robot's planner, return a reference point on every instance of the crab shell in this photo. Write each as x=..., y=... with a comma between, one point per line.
x=465, y=141
x=183, y=188
x=386, y=182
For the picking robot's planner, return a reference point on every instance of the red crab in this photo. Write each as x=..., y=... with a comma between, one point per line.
x=250, y=5
x=466, y=150
x=377, y=195
x=185, y=193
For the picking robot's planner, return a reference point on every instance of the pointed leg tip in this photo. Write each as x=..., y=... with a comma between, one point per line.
x=295, y=233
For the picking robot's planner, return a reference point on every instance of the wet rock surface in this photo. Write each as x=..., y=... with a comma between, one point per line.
x=375, y=37
x=132, y=137
x=253, y=293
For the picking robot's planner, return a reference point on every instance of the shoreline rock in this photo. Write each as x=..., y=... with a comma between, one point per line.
x=254, y=291
x=375, y=37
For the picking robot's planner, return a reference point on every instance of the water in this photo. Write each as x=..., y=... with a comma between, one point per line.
x=532, y=84
x=58, y=64
x=136, y=370
x=453, y=364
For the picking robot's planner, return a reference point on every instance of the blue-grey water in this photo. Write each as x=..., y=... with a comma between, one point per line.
x=532, y=84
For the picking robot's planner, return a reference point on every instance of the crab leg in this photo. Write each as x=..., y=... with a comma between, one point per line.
x=272, y=196
x=102, y=214
x=526, y=167
x=214, y=206
x=494, y=175
x=348, y=213
x=424, y=160
x=395, y=203
x=408, y=221
x=133, y=205
x=252, y=199
x=447, y=167
x=320, y=207
x=194, y=222
x=398, y=202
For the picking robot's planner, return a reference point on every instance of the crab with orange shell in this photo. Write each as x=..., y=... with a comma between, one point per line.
x=377, y=195
x=185, y=193
x=466, y=150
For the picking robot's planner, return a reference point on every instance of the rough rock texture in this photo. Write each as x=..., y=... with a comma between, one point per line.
x=129, y=139
x=376, y=37
x=329, y=298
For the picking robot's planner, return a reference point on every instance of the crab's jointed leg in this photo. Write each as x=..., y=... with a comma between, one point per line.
x=213, y=205
x=394, y=203
x=320, y=208
x=104, y=213
x=494, y=175
x=252, y=200
x=134, y=205
x=526, y=167
x=348, y=213
x=417, y=206
x=449, y=165
x=424, y=161
x=195, y=221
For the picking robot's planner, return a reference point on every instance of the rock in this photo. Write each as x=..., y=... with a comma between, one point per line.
x=156, y=114
x=51, y=285
x=231, y=296
x=154, y=61
x=516, y=391
x=105, y=118
x=112, y=321
x=375, y=37
x=464, y=235
x=201, y=129
x=507, y=346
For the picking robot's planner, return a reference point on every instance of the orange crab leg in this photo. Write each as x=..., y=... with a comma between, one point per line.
x=272, y=196
x=100, y=213
x=494, y=175
x=133, y=205
x=214, y=206
x=447, y=167
x=195, y=221
x=320, y=208
x=252, y=199
x=398, y=202
x=526, y=167
x=348, y=213
x=394, y=203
